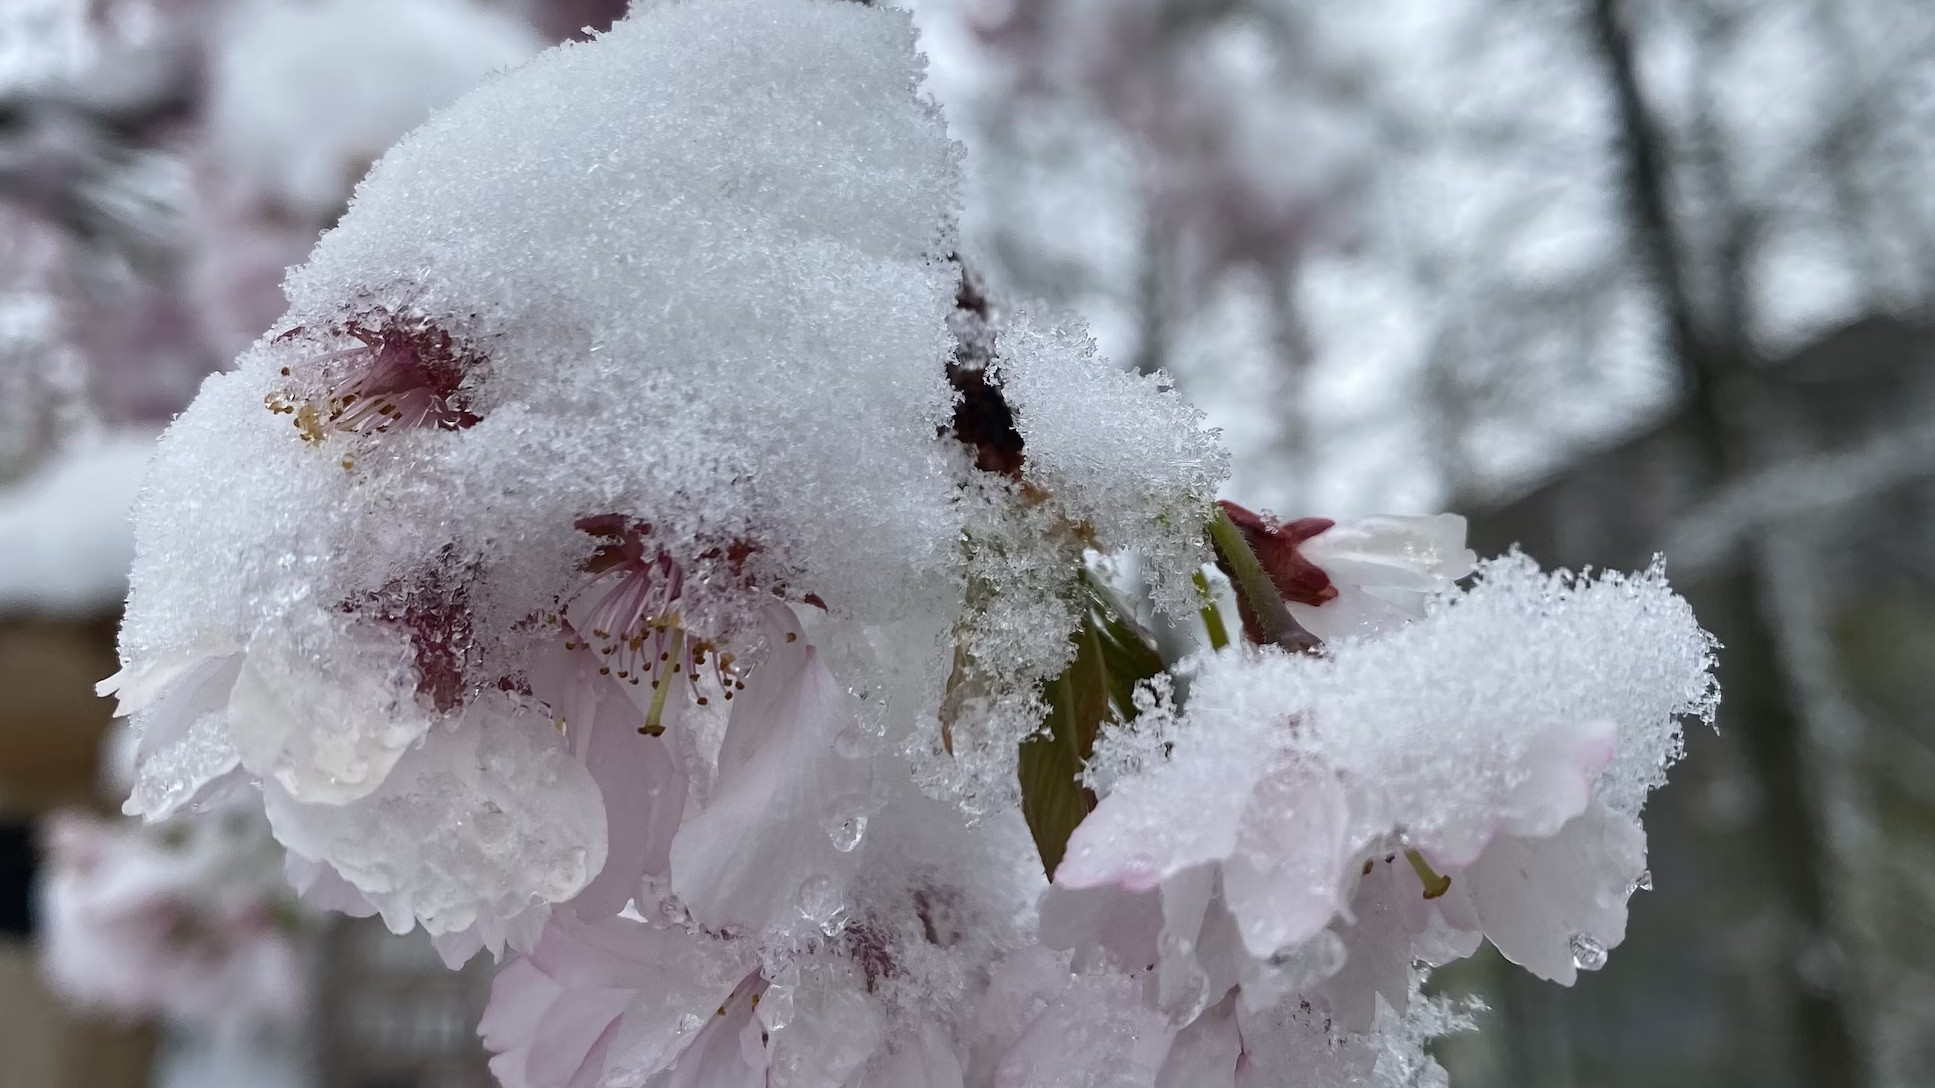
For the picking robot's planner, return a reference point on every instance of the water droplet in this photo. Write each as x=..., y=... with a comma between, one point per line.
x=1587, y=953
x=1184, y=993
x=1642, y=883
x=819, y=902
x=690, y=1023
x=847, y=831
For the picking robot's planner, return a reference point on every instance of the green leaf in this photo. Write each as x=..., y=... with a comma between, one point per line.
x=1112, y=656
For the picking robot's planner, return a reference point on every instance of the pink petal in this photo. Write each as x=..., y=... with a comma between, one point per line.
x=748, y=858
x=1537, y=897
x=519, y=996
x=643, y=788
x=1286, y=877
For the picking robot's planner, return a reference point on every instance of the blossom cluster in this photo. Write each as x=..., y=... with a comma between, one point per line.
x=188, y=921
x=645, y=552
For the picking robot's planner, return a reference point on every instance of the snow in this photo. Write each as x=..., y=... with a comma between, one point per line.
x=66, y=540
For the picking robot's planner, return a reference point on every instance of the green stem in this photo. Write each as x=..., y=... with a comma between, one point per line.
x=1219, y=635
x=1254, y=586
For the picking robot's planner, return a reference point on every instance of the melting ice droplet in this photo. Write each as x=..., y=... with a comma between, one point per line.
x=1587, y=953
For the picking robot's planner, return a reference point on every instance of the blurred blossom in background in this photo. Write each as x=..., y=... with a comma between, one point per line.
x=1609, y=277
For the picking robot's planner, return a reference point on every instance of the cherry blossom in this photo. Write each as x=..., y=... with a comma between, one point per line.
x=643, y=552
x=188, y=921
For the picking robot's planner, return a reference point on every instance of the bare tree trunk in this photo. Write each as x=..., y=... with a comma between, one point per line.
x=1713, y=361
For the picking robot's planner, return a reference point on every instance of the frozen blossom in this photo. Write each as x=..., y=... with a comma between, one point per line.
x=643, y=551
x=188, y=921
x=1492, y=756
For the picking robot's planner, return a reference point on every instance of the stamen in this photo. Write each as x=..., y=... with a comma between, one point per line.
x=628, y=615
x=1435, y=883
x=403, y=374
x=655, y=716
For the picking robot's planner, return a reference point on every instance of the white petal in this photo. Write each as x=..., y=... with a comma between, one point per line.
x=833, y=1030
x=1092, y=1030
x=1548, y=784
x=1377, y=945
x=519, y=997
x=1123, y=926
x=1182, y=986
x=726, y=1052
x=327, y=727
x=1287, y=876
x=1354, y=613
x=1537, y=897
x=322, y=888
x=762, y=853
x=135, y=686
x=1180, y=814
x=183, y=747
x=485, y=820
x=1417, y=553
x=644, y=789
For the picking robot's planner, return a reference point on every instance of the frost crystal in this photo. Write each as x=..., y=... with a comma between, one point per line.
x=645, y=552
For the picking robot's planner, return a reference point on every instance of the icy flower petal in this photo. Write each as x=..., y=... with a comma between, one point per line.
x=1292, y=1044
x=1103, y=924
x=729, y=1051
x=1555, y=904
x=135, y=687
x=1549, y=783
x=326, y=725
x=829, y=1031
x=1182, y=987
x=182, y=745
x=610, y=1001
x=324, y=889
x=1185, y=812
x=1286, y=876
x=1052, y=1029
x=517, y=933
x=1204, y=1054
x=749, y=857
x=643, y=787
x=486, y=819
x=519, y=997
x=928, y=1061
x=1278, y=827
x=1392, y=927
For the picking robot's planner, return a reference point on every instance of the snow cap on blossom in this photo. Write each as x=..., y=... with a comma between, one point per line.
x=1506, y=741
x=614, y=373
